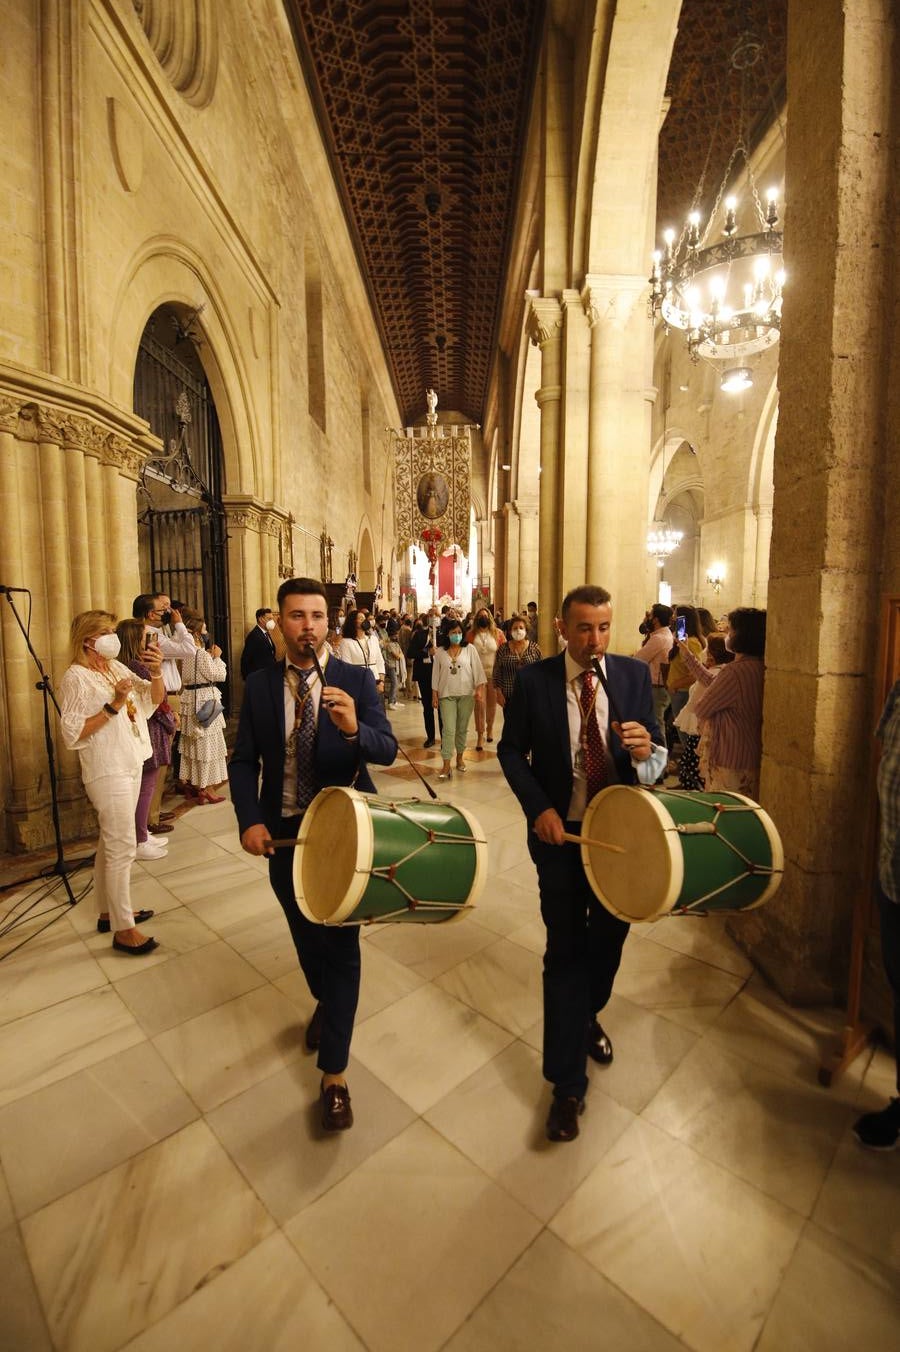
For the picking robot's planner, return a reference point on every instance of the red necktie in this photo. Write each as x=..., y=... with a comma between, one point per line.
x=592, y=742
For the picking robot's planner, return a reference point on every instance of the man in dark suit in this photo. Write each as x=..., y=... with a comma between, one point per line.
x=559, y=747
x=259, y=646
x=306, y=738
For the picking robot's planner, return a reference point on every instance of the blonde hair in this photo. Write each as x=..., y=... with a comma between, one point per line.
x=84, y=626
x=131, y=637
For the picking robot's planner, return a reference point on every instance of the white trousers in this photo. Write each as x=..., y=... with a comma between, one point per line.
x=115, y=799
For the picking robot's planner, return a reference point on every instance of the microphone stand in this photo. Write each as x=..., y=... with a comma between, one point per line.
x=60, y=868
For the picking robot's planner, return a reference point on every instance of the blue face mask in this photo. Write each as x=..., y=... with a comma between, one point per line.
x=455, y=638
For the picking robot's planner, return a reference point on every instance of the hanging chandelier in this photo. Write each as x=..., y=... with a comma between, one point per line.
x=725, y=295
x=662, y=541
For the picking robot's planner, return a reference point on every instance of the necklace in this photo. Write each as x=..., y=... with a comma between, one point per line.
x=130, y=706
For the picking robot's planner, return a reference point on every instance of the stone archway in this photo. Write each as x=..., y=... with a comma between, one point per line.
x=180, y=498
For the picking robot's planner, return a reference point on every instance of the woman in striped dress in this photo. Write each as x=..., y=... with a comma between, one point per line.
x=730, y=710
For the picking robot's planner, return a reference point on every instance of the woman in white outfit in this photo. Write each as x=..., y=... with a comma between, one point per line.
x=485, y=638
x=204, y=756
x=104, y=709
x=457, y=681
x=360, y=647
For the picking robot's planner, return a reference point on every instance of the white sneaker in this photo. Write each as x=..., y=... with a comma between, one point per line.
x=395, y=705
x=161, y=841
x=147, y=851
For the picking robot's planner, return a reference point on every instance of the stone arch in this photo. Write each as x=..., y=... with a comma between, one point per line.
x=166, y=271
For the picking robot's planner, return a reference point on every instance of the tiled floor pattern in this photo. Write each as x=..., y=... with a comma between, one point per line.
x=165, y=1182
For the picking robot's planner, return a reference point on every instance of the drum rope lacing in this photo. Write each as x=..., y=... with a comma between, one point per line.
x=712, y=829
x=388, y=872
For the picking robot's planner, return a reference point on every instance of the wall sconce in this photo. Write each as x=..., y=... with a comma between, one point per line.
x=716, y=576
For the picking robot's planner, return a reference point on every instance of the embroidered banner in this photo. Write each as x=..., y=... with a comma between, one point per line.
x=432, y=485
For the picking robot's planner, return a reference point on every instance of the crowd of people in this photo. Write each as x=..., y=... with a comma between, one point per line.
x=143, y=692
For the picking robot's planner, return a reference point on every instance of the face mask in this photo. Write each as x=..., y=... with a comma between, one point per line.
x=270, y=625
x=484, y=622
x=518, y=634
x=108, y=646
x=167, y=617
x=455, y=638
x=367, y=628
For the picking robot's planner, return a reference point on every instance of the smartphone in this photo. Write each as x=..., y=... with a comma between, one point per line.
x=681, y=629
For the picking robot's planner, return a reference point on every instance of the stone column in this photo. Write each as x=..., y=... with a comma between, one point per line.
x=528, y=555
x=835, y=455
x=618, y=443
x=545, y=321
x=573, y=456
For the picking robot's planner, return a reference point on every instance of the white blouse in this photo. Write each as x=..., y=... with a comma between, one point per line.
x=120, y=746
x=486, y=646
x=457, y=673
x=363, y=652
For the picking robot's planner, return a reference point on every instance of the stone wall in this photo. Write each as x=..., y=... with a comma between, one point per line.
x=181, y=165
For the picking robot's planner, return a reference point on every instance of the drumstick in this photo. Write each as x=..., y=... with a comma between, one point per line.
x=586, y=840
x=431, y=791
x=321, y=676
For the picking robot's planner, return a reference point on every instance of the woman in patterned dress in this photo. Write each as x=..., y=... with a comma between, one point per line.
x=203, y=751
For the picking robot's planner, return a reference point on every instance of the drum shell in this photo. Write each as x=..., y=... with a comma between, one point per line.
x=670, y=871
x=349, y=841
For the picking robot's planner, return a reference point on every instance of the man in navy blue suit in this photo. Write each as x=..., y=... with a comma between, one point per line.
x=560, y=745
x=306, y=738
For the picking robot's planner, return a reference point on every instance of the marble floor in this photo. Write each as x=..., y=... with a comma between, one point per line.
x=165, y=1182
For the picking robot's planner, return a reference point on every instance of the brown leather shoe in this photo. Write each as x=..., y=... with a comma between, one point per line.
x=337, y=1115
x=314, y=1030
x=562, y=1121
x=600, y=1049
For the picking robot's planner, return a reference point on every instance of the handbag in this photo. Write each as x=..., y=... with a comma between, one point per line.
x=207, y=712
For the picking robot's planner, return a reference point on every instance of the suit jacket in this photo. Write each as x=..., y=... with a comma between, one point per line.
x=259, y=652
x=534, y=750
x=261, y=735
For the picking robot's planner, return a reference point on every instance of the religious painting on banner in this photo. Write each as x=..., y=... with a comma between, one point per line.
x=432, y=476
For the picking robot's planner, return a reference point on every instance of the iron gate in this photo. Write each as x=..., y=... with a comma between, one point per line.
x=183, y=537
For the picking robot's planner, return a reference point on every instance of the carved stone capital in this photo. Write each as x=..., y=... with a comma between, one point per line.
x=609, y=298
x=124, y=455
x=270, y=524
x=242, y=518
x=544, y=319
x=10, y=409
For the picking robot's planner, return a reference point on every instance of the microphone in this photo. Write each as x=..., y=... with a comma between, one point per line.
x=5, y=590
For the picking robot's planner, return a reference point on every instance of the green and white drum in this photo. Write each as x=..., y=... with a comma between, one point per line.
x=363, y=860
x=682, y=853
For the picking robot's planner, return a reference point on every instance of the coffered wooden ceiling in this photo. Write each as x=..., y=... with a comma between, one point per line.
x=423, y=106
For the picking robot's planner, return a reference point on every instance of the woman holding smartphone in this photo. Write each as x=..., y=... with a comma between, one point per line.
x=104, y=710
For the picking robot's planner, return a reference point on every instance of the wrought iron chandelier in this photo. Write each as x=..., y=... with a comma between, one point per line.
x=725, y=296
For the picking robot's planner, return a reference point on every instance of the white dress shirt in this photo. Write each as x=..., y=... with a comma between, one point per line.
x=648, y=771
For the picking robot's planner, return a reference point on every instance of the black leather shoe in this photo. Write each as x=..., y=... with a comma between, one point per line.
x=337, y=1115
x=314, y=1030
x=135, y=950
x=600, y=1048
x=562, y=1120
x=139, y=918
x=431, y=742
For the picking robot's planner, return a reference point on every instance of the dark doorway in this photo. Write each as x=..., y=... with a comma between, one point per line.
x=181, y=517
